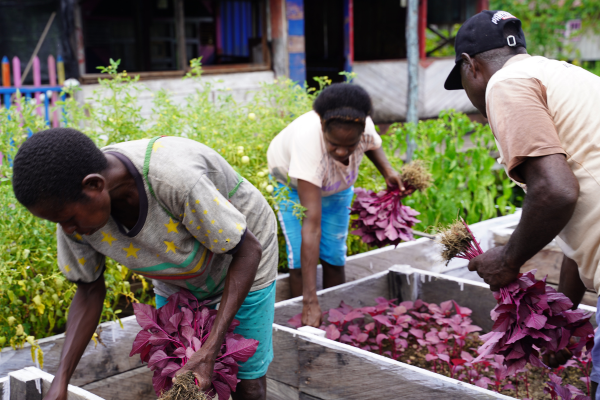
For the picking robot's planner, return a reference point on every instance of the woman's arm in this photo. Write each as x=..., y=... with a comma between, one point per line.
x=238, y=282
x=391, y=176
x=310, y=198
x=84, y=315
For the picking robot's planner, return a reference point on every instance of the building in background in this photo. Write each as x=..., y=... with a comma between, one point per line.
x=243, y=43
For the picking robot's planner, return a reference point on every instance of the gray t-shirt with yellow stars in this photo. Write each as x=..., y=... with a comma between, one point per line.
x=194, y=212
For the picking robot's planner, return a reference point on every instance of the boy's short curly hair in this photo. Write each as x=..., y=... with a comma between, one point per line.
x=51, y=165
x=343, y=102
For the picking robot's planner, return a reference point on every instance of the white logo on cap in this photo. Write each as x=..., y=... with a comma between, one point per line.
x=501, y=15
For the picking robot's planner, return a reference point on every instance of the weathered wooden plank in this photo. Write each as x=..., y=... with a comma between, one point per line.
x=280, y=391
x=108, y=358
x=74, y=392
x=3, y=385
x=331, y=370
x=135, y=384
x=371, y=287
x=24, y=385
x=436, y=288
x=284, y=367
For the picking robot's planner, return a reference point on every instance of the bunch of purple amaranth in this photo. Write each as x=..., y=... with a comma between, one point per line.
x=458, y=241
x=530, y=318
x=171, y=335
x=382, y=218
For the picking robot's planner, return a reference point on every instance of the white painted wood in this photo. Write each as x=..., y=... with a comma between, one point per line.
x=74, y=392
x=332, y=370
x=24, y=385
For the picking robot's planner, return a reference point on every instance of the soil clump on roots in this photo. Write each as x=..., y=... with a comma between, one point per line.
x=185, y=388
x=455, y=238
x=416, y=175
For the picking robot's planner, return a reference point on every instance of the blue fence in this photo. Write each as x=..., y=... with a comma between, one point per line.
x=6, y=94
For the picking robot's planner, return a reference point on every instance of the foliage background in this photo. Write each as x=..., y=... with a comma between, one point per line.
x=34, y=296
x=544, y=24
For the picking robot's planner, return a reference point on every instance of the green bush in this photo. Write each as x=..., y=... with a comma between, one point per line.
x=34, y=296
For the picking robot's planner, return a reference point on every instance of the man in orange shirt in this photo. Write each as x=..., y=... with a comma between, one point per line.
x=545, y=120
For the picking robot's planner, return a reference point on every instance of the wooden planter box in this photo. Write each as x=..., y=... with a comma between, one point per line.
x=106, y=369
x=33, y=384
x=307, y=366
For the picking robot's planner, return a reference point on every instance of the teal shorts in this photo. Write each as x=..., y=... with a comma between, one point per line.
x=256, y=322
x=335, y=218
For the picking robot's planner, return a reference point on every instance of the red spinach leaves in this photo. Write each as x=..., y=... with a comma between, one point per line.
x=382, y=218
x=531, y=317
x=172, y=334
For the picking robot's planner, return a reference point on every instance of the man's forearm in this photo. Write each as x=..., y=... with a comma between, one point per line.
x=550, y=202
x=570, y=283
x=238, y=282
x=84, y=315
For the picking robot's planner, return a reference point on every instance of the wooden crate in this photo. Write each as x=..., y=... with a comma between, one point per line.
x=311, y=367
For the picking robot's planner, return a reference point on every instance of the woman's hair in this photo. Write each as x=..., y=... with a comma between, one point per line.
x=343, y=102
x=51, y=165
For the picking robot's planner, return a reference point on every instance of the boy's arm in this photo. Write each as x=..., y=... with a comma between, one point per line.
x=238, y=282
x=84, y=315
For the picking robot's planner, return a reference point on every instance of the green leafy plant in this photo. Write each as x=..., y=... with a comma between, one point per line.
x=34, y=296
x=544, y=22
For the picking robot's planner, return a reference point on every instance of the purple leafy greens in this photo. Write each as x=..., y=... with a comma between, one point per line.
x=172, y=334
x=532, y=317
x=382, y=218
x=443, y=339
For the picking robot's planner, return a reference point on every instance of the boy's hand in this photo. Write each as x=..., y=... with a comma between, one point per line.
x=202, y=364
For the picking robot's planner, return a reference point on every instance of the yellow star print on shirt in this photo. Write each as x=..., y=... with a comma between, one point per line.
x=78, y=236
x=170, y=247
x=172, y=226
x=157, y=145
x=108, y=238
x=131, y=251
x=81, y=260
x=238, y=227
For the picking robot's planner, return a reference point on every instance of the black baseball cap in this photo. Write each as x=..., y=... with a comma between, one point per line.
x=483, y=32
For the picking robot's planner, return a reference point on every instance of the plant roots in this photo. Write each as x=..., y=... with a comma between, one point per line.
x=185, y=388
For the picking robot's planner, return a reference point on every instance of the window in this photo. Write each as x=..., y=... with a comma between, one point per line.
x=143, y=34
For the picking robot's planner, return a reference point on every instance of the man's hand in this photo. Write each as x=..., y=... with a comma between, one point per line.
x=555, y=360
x=311, y=313
x=493, y=267
x=57, y=391
x=202, y=364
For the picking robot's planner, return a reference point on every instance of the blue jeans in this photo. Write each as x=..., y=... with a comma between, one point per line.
x=256, y=322
x=335, y=217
